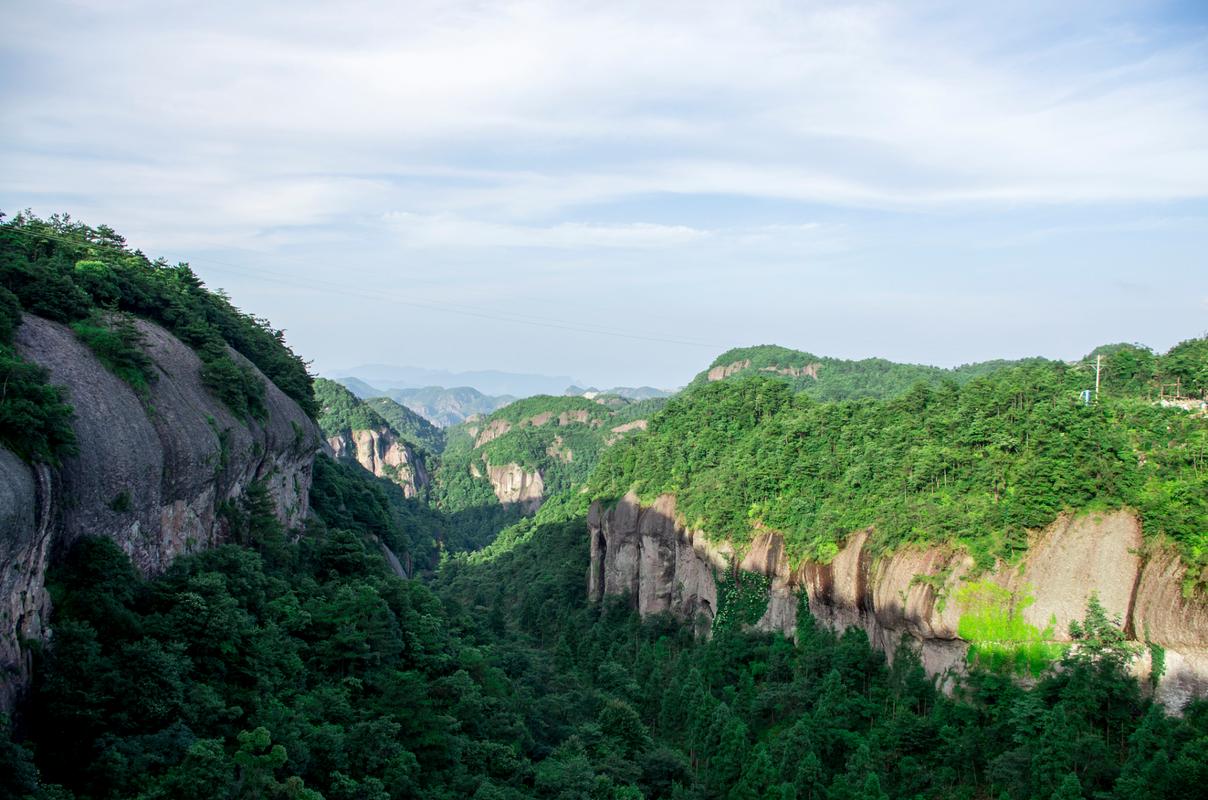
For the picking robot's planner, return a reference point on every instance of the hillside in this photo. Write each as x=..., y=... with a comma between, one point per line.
x=136, y=405
x=497, y=468
x=411, y=426
x=770, y=596
x=357, y=432
x=440, y=406
x=894, y=514
x=834, y=379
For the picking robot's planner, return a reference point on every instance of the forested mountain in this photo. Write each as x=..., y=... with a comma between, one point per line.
x=440, y=406
x=232, y=616
x=833, y=379
x=497, y=468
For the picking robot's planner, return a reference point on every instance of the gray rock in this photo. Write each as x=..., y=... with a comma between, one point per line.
x=150, y=473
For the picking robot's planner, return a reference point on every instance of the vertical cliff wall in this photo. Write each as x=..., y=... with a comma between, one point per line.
x=643, y=551
x=150, y=473
x=385, y=455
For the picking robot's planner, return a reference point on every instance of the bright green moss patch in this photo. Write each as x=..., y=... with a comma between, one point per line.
x=999, y=639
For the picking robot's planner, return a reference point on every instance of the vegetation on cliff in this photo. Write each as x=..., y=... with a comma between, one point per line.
x=834, y=379
x=976, y=464
x=560, y=438
x=413, y=428
x=269, y=668
x=90, y=279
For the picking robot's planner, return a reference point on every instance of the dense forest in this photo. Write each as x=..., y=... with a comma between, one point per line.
x=976, y=464
x=298, y=664
x=303, y=669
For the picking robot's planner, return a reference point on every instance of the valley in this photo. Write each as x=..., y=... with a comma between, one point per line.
x=796, y=577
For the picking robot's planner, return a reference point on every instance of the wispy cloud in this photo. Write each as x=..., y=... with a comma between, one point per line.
x=584, y=131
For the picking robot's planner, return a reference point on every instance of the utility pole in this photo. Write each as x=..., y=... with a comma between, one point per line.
x=1098, y=362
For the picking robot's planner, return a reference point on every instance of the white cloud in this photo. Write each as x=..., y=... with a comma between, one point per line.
x=851, y=104
x=447, y=232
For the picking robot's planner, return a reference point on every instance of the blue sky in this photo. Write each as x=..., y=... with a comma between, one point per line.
x=620, y=191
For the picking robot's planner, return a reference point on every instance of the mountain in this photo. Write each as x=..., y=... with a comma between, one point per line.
x=357, y=432
x=411, y=426
x=490, y=382
x=627, y=392
x=835, y=378
x=855, y=580
x=444, y=407
x=497, y=468
x=959, y=493
x=137, y=406
x=360, y=388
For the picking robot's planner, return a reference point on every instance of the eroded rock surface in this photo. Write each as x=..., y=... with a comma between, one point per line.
x=646, y=553
x=512, y=485
x=149, y=474
x=382, y=453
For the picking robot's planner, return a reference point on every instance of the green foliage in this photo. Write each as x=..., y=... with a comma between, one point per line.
x=66, y=271
x=742, y=598
x=975, y=465
x=1187, y=362
x=999, y=638
x=35, y=419
x=1100, y=640
x=235, y=384
x=835, y=379
x=340, y=411
x=411, y=427
x=117, y=344
x=304, y=669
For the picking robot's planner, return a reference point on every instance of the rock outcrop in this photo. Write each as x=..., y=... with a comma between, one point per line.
x=725, y=371
x=382, y=453
x=150, y=473
x=647, y=553
x=513, y=485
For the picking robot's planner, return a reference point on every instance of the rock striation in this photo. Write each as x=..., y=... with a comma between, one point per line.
x=382, y=453
x=513, y=485
x=911, y=594
x=150, y=473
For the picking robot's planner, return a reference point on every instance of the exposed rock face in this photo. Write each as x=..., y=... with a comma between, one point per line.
x=385, y=455
x=513, y=485
x=149, y=475
x=808, y=371
x=912, y=593
x=492, y=432
x=723, y=372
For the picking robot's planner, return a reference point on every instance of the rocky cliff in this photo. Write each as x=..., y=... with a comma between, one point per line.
x=385, y=455
x=513, y=485
x=646, y=552
x=150, y=473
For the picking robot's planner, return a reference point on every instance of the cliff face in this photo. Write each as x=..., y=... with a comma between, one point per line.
x=385, y=455
x=150, y=473
x=645, y=552
x=513, y=485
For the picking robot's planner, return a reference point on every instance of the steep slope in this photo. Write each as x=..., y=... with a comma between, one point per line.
x=498, y=468
x=355, y=431
x=884, y=514
x=835, y=379
x=411, y=426
x=440, y=406
x=153, y=473
x=116, y=426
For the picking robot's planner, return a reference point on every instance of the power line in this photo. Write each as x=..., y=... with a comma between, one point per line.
x=470, y=311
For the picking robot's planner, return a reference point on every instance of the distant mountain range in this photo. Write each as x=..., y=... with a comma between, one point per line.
x=488, y=382
x=438, y=405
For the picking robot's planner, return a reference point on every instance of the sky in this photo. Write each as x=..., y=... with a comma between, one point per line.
x=621, y=191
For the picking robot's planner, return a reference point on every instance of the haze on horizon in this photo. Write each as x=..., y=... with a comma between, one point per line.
x=620, y=193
